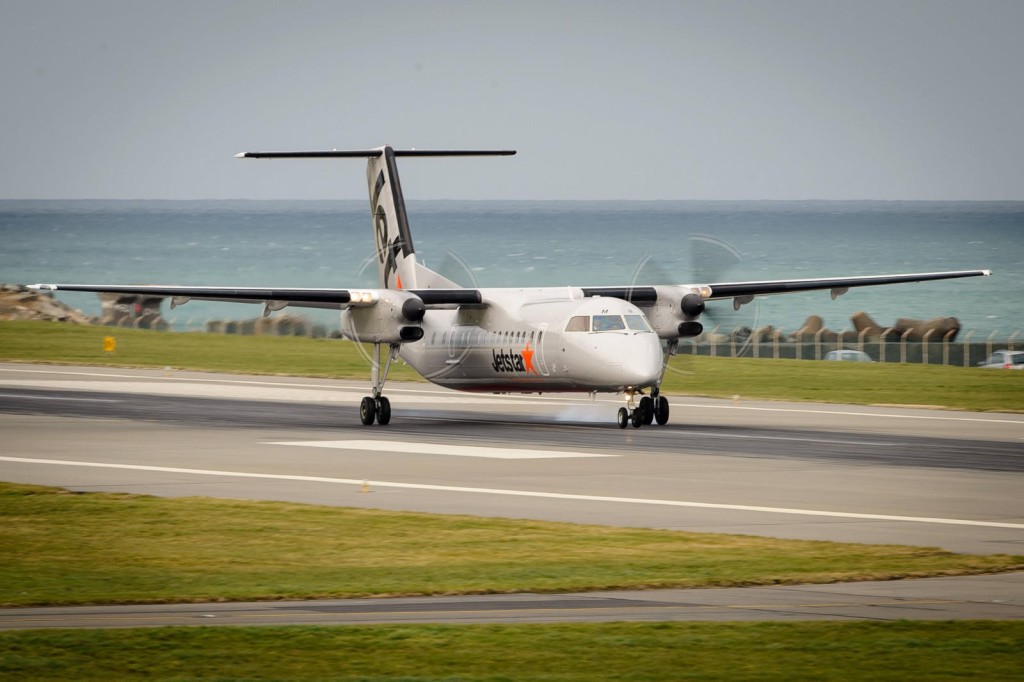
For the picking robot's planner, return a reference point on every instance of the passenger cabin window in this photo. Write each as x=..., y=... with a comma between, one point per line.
x=608, y=323
x=580, y=323
x=637, y=323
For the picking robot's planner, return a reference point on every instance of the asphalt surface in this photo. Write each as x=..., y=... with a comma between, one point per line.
x=980, y=597
x=796, y=470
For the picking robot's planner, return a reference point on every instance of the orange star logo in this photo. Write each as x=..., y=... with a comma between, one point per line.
x=528, y=360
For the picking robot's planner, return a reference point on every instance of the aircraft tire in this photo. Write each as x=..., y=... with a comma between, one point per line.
x=623, y=417
x=647, y=409
x=367, y=410
x=637, y=418
x=661, y=410
x=383, y=411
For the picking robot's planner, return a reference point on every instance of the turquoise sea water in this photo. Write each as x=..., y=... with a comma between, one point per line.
x=329, y=244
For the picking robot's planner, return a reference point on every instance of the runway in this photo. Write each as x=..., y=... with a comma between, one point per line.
x=795, y=470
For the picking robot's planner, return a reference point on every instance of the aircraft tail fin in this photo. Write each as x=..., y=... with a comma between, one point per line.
x=396, y=257
x=428, y=279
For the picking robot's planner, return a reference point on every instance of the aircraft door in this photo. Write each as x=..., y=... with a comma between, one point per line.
x=541, y=364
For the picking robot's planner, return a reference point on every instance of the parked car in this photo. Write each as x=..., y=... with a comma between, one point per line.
x=848, y=355
x=1004, y=359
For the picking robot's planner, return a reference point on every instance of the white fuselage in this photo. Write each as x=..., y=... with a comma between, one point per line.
x=521, y=340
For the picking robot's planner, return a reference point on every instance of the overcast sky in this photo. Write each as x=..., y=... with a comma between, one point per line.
x=603, y=100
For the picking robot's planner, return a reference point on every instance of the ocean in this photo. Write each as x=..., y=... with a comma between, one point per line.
x=545, y=243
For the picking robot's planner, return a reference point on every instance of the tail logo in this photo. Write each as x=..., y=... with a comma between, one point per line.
x=388, y=252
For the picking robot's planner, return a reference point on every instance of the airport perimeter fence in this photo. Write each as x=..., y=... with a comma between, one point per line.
x=965, y=349
x=968, y=350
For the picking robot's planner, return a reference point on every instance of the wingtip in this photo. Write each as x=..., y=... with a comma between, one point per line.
x=241, y=155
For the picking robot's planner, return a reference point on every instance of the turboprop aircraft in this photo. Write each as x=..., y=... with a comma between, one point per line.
x=590, y=339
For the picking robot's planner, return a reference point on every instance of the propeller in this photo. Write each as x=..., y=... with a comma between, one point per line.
x=454, y=268
x=711, y=260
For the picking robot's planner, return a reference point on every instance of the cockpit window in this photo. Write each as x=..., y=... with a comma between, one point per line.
x=608, y=323
x=580, y=323
x=637, y=323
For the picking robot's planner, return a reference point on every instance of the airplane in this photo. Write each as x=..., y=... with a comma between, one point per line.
x=589, y=339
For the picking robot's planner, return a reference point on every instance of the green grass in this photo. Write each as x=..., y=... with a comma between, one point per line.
x=65, y=548
x=837, y=382
x=983, y=650
x=848, y=382
x=288, y=355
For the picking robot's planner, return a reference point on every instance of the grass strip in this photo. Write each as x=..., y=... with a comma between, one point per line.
x=934, y=386
x=802, y=380
x=985, y=650
x=34, y=341
x=68, y=548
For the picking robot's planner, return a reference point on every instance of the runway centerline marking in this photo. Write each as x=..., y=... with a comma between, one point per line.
x=439, y=449
x=518, y=493
x=20, y=396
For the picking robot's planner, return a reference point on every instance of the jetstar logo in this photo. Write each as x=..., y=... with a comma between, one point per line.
x=389, y=251
x=513, y=362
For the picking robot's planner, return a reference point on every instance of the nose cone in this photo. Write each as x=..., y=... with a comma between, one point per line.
x=642, y=366
x=618, y=361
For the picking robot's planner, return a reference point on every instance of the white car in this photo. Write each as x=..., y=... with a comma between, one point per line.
x=1004, y=359
x=848, y=355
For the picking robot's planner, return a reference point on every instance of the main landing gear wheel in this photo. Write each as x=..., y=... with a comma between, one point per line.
x=647, y=409
x=661, y=410
x=383, y=411
x=368, y=410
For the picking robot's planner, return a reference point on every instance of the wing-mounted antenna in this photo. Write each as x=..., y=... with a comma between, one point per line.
x=396, y=257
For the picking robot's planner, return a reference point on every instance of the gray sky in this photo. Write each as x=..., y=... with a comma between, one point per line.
x=603, y=100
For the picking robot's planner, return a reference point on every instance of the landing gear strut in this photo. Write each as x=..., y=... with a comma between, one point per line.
x=376, y=406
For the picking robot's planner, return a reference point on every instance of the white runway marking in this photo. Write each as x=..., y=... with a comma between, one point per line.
x=439, y=449
x=19, y=396
x=520, y=493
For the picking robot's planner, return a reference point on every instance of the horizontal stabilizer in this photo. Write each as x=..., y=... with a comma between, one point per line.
x=372, y=153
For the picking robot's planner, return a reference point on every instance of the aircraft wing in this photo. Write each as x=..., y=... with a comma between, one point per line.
x=272, y=299
x=744, y=292
x=838, y=285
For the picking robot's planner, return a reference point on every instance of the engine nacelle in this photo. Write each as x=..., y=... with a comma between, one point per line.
x=383, y=316
x=675, y=314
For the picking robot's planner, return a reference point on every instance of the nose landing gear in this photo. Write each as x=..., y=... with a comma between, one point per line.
x=648, y=409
